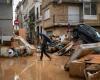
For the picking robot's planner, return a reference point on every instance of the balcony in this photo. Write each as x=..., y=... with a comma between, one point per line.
x=39, y=19
x=64, y=20
x=61, y=20
x=47, y=2
x=74, y=1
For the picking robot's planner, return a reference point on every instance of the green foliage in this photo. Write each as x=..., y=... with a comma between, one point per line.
x=31, y=23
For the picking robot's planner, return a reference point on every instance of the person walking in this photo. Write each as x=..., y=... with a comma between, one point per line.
x=43, y=48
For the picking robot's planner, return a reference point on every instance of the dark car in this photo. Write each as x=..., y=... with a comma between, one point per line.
x=86, y=33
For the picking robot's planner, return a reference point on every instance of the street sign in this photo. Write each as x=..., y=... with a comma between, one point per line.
x=16, y=22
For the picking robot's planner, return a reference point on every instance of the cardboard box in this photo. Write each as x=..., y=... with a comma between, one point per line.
x=76, y=69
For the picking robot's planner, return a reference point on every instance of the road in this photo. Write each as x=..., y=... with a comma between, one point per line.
x=30, y=68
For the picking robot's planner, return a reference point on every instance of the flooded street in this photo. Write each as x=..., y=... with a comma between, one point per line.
x=30, y=68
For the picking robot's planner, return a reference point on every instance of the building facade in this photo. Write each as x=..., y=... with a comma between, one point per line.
x=28, y=14
x=58, y=14
x=6, y=16
x=19, y=15
x=55, y=16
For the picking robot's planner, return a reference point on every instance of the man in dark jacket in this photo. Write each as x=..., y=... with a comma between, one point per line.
x=43, y=48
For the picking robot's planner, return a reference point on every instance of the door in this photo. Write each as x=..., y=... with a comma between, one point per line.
x=73, y=14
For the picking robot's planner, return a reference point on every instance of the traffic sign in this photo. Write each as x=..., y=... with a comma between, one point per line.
x=16, y=22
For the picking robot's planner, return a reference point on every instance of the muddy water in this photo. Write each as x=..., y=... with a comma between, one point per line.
x=30, y=68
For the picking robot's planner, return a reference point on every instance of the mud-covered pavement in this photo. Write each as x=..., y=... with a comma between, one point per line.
x=30, y=68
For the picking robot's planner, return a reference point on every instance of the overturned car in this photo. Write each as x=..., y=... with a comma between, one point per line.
x=86, y=33
x=19, y=47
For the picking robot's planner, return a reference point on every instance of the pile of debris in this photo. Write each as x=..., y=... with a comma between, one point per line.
x=83, y=46
x=65, y=44
x=85, y=60
x=19, y=47
x=58, y=43
x=84, y=50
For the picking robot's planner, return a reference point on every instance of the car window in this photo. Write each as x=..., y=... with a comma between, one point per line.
x=98, y=34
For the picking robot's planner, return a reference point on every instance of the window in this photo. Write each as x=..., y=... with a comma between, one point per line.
x=90, y=8
x=47, y=14
x=93, y=9
x=37, y=13
x=37, y=29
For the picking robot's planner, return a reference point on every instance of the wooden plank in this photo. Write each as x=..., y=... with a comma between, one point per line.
x=91, y=58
